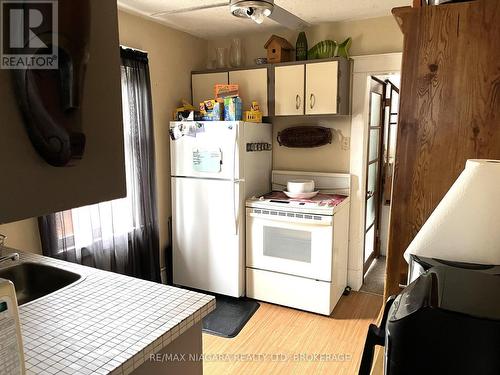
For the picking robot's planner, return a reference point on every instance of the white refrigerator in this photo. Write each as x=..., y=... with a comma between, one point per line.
x=215, y=166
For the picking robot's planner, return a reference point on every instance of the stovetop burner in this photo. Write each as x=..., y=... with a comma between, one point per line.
x=330, y=200
x=323, y=204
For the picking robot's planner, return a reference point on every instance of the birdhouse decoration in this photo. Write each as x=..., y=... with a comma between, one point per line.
x=278, y=50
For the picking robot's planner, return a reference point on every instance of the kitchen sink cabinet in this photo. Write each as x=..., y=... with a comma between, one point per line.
x=56, y=289
x=253, y=86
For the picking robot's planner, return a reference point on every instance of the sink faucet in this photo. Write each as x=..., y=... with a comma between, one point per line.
x=9, y=257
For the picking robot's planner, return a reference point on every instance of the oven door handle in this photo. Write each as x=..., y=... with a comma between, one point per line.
x=291, y=220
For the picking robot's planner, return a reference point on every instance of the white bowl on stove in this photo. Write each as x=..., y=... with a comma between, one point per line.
x=300, y=186
x=309, y=195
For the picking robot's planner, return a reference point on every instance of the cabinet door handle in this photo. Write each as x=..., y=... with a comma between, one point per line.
x=298, y=102
x=312, y=101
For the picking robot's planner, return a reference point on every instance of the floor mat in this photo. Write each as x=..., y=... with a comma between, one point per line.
x=375, y=277
x=229, y=316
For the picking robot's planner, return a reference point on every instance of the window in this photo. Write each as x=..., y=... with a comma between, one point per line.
x=111, y=221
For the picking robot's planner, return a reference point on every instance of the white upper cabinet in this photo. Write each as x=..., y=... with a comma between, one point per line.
x=289, y=90
x=253, y=86
x=317, y=87
x=321, y=88
x=203, y=85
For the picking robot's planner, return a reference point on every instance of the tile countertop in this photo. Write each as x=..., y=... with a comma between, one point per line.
x=104, y=324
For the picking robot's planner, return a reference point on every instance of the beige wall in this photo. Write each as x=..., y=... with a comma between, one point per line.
x=22, y=235
x=172, y=56
x=369, y=37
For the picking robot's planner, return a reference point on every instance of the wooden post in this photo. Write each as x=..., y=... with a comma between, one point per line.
x=450, y=96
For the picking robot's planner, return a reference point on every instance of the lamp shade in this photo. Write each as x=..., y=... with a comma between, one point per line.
x=465, y=226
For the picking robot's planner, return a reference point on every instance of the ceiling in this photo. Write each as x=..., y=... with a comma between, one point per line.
x=219, y=22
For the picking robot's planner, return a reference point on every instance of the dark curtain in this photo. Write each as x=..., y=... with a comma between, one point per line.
x=120, y=235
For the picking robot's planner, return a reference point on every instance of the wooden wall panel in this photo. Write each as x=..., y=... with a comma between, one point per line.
x=450, y=111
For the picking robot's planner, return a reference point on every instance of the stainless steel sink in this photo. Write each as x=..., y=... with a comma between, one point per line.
x=33, y=280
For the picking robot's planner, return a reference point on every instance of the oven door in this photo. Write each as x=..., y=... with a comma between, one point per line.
x=289, y=243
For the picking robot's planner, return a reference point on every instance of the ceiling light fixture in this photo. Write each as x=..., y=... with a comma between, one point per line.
x=255, y=10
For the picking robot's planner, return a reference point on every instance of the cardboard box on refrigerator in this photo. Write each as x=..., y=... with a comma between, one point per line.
x=212, y=110
x=233, y=109
x=226, y=91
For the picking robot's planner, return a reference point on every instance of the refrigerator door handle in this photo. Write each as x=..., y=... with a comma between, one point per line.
x=236, y=203
x=235, y=213
x=235, y=150
x=235, y=208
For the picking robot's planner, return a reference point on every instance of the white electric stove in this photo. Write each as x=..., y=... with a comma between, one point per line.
x=297, y=248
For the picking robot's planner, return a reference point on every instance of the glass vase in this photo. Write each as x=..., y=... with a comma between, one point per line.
x=221, y=57
x=236, y=53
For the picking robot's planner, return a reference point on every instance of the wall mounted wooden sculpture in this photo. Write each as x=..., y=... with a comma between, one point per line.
x=50, y=99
